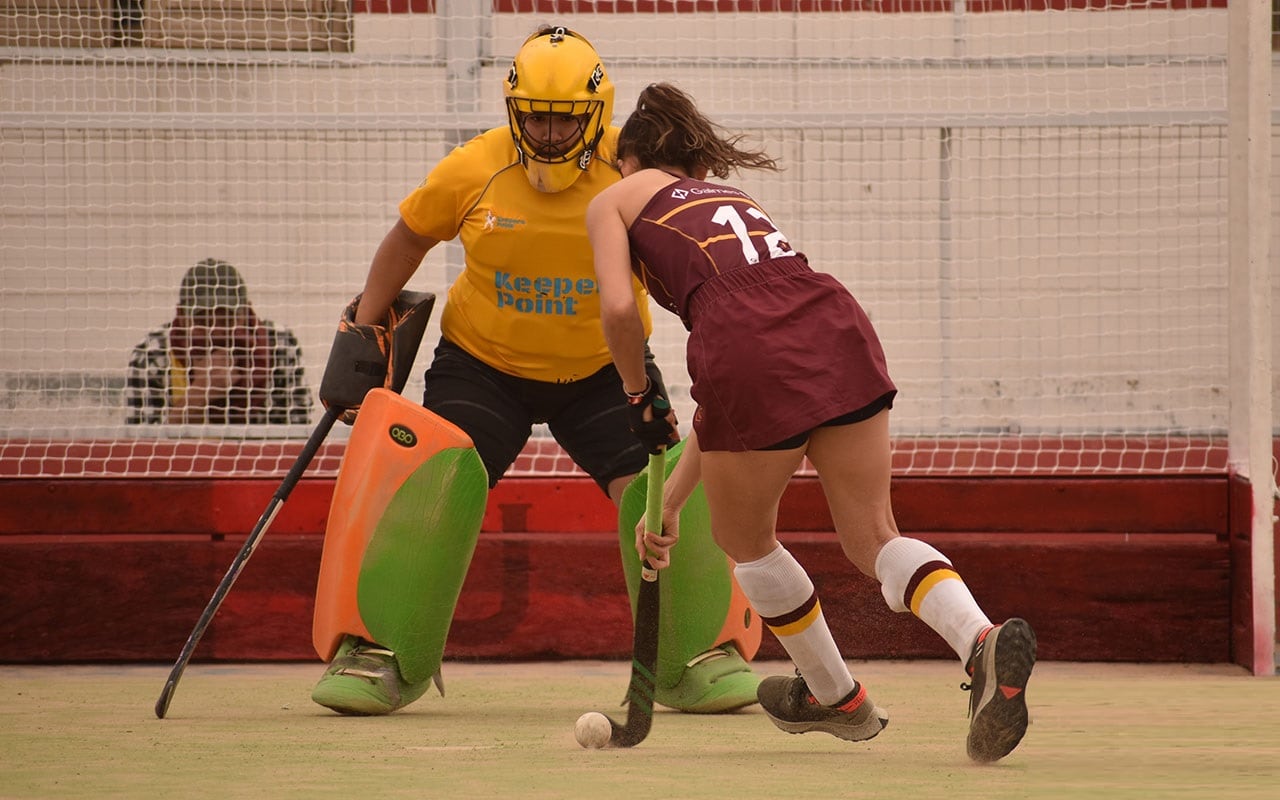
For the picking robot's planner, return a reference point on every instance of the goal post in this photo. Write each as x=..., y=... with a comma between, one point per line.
x=1250, y=204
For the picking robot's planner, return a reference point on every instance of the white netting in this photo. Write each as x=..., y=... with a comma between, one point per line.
x=1031, y=204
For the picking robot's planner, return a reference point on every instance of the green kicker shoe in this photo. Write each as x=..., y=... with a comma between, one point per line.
x=714, y=682
x=363, y=680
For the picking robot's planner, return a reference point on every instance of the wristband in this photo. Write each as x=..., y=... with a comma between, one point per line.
x=638, y=397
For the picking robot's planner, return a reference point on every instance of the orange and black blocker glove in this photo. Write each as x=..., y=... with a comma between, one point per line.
x=365, y=357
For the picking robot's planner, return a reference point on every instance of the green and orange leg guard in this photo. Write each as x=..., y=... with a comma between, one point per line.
x=403, y=525
x=708, y=631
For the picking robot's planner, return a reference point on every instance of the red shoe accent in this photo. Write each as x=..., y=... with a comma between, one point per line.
x=853, y=704
x=1010, y=692
x=982, y=637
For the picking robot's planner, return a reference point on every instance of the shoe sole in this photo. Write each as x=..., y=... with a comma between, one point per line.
x=715, y=705
x=877, y=722
x=351, y=705
x=1001, y=719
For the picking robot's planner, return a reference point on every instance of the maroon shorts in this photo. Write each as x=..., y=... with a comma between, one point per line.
x=776, y=350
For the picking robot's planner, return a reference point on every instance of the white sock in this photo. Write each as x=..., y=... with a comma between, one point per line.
x=916, y=577
x=782, y=594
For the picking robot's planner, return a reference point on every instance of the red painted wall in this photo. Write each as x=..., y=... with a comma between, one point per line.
x=1130, y=569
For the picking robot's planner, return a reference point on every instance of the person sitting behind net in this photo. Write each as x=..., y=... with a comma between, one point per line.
x=217, y=361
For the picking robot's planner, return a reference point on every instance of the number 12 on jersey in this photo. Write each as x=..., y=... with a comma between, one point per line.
x=774, y=240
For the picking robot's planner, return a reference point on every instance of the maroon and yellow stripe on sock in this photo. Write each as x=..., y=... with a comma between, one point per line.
x=929, y=575
x=796, y=621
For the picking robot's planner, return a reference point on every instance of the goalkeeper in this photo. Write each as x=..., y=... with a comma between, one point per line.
x=521, y=343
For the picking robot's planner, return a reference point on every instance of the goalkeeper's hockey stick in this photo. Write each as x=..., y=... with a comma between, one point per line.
x=286, y=486
x=644, y=647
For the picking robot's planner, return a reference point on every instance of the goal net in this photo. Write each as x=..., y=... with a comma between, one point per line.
x=1029, y=199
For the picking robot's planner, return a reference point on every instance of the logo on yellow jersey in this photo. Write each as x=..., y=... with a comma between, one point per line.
x=494, y=221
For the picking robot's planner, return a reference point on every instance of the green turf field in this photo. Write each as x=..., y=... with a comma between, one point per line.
x=506, y=731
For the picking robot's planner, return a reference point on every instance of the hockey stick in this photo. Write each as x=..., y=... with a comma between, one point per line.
x=644, y=647
x=286, y=486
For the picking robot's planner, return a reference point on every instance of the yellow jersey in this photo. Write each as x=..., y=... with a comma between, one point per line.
x=526, y=303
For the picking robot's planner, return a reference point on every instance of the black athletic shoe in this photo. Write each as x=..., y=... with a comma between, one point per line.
x=1001, y=665
x=793, y=709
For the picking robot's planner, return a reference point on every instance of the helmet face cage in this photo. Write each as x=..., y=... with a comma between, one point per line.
x=548, y=144
x=555, y=76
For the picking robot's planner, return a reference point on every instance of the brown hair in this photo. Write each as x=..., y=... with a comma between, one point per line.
x=666, y=129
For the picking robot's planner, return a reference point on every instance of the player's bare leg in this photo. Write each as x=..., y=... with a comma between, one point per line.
x=743, y=490
x=916, y=577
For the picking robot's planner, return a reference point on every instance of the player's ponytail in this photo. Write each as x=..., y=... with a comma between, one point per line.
x=666, y=129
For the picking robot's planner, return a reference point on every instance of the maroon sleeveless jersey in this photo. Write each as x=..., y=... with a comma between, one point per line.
x=775, y=349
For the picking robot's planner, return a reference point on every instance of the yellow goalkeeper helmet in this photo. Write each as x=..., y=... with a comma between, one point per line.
x=559, y=103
